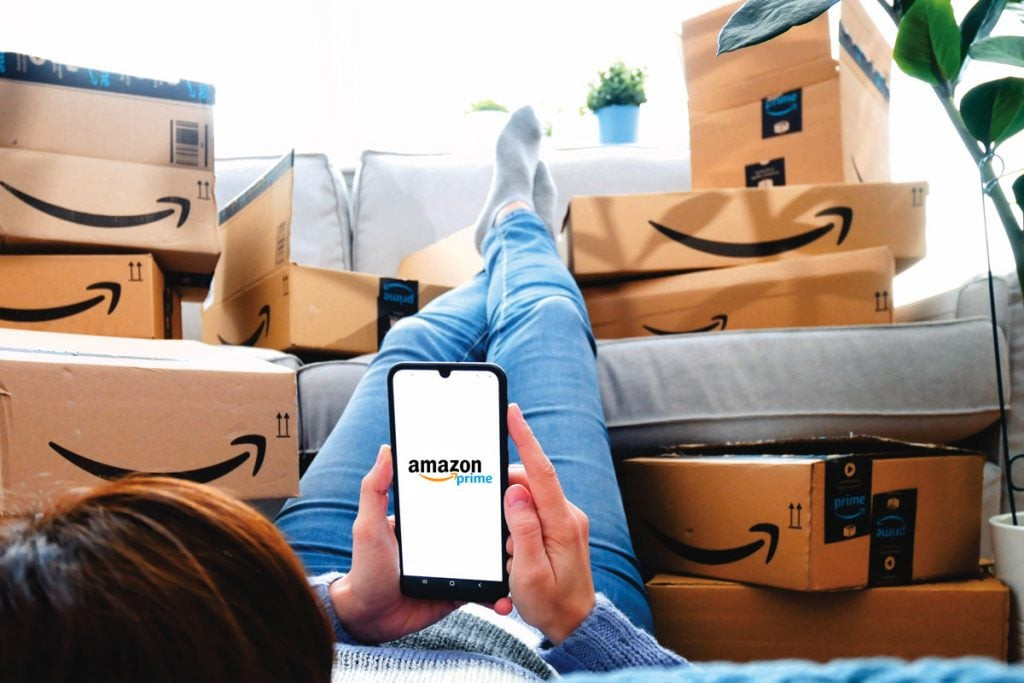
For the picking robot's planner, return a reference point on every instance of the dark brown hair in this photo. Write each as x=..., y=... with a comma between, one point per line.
x=155, y=579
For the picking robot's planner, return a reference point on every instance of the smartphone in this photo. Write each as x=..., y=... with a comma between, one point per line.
x=449, y=440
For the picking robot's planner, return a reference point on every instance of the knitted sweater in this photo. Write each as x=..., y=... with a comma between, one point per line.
x=465, y=647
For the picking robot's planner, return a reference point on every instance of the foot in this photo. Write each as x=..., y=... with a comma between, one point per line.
x=516, y=205
x=516, y=156
x=545, y=199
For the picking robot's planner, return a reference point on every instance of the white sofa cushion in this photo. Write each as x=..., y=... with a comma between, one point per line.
x=404, y=202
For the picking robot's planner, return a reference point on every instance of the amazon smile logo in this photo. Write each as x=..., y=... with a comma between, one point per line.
x=262, y=329
x=96, y=220
x=766, y=248
x=202, y=475
x=718, y=322
x=459, y=471
x=39, y=315
x=719, y=556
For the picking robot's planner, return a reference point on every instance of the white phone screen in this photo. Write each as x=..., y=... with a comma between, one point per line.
x=447, y=460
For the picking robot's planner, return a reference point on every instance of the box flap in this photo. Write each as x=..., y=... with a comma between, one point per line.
x=20, y=67
x=86, y=349
x=255, y=230
x=819, y=447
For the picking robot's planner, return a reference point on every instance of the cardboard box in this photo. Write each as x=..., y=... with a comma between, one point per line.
x=619, y=235
x=260, y=298
x=785, y=112
x=820, y=514
x=449, y=261
x=100, y=162
x=120, y=296
x=66, y=109
x=306, y=309
x=706, y=620
x=78, y=409
x=846, y=288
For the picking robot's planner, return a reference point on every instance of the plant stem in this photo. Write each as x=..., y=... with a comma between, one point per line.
x=989, y=181
x=892, y=10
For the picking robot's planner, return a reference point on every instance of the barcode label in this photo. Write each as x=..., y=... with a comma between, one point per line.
x=185, y=143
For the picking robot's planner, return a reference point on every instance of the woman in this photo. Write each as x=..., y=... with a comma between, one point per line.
x=151, y=579
x=524, y=312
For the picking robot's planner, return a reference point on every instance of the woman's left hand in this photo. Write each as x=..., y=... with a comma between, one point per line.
x=368, y=600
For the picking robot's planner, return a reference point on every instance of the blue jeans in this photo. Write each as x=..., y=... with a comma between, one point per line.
x=525, y=313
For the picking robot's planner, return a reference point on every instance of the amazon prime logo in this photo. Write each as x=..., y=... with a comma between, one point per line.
x=782, y=115
x=397, y=293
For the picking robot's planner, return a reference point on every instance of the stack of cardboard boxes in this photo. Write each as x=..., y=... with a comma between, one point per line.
x=788, y=118
x=792, y=224
x=262, y=297
x=107, y=219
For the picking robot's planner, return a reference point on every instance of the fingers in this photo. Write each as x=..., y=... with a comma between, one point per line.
x=543, y=481
x=524, y=528
x=373, y=491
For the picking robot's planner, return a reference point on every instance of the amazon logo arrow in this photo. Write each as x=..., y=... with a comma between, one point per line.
x=39, y=315
x=202, y=475
x=97, y=220
x=264, y=328
x=724, y=556
x=719, y=323
x=768, y=247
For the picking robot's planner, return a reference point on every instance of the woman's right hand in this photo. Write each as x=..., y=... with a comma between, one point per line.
x=549, y=574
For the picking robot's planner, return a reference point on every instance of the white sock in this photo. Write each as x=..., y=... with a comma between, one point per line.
x=515, y=163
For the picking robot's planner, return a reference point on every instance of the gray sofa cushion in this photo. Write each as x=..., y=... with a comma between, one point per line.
x=404, y=202
x=921, y=382
x=929, y=382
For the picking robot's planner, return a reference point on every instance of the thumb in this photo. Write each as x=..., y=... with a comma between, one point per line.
x=525, y=529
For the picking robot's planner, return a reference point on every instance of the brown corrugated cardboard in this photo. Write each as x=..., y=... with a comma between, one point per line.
x=715, y=81
x=59, y=202
x=121, y=296
x=821, y=514
x=259, y=298
x=306, y=309
x=449, y=261
x=619, y=235
x=78, y=409
x=98, y=161
x=843, y=136
x=799, y=117
x=255, y=230
x=846, y=288
x=706, y=620
x=65, y=109
x=801, y=56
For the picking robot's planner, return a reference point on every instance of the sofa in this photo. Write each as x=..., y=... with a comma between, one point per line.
x=928, y=378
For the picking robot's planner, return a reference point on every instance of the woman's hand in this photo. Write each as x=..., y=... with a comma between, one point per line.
x=549, y=575
x=368, y=600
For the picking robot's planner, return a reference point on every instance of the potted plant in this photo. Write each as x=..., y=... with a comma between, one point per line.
x=615, y=99
x=931, y=46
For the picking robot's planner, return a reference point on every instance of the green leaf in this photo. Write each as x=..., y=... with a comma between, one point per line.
x=928, y=42
x=1018, y=191
x=994, y=111
x=760, y=20
x=979, y=22
x=1004, y=50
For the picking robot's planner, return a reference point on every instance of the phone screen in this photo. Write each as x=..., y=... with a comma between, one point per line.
x=450, y=448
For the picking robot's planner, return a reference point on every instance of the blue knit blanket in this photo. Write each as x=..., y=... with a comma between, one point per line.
x=871, y=670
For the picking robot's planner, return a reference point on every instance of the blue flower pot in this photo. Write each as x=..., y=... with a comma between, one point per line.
x=618, y=123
